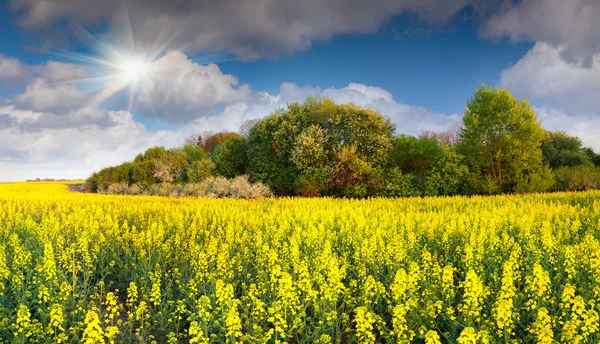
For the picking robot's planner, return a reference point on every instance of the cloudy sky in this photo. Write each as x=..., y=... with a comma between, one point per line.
x=87, y=84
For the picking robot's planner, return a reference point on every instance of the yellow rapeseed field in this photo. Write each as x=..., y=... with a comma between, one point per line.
x=106, y=269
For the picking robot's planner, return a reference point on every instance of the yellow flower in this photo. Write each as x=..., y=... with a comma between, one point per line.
x=364, y=325
x=93, y=332
x=432, y=337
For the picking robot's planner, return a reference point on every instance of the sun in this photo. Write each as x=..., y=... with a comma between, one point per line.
x=117, y=63
x=132, y=69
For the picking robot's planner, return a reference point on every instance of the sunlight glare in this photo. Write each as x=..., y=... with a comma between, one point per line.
x=133, y=69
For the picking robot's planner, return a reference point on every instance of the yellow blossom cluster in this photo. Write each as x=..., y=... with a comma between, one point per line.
x=89, y=268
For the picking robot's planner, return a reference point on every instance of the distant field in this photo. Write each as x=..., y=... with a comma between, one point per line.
x=85, y=267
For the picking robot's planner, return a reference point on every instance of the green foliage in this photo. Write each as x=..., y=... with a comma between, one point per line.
x=500, y=138
x=396, y=184
x=199, y=170
x=279, y=146
x=230, y=158
x=320, y=148
x=560, y=149
x=448, y=174
x=309, y=151
x=122, y=173
x=314, y=182
x=155, y=165
x=350, y=174
x=537, y=181
x=579, y=178
x=416, y=155
x=142, y=173
x=594, y=158
x=209, y=141
x=194, y=152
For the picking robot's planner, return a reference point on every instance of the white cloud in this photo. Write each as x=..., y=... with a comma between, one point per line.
x=44, y=95
x=177, y=89
x=14, y=71
x=71, y=145
x=49, y=87
x=570, y=24
x=59, y=71
x=542, y=75
x=250, y=28
x=10, y=68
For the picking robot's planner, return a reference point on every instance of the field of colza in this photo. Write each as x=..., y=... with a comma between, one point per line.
x=140, y=269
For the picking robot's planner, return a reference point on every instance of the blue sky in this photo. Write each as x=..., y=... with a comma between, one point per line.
x=439, y=70
x=155, y=74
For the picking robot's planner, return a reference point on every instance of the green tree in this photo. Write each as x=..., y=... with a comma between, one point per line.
x=194, y=152
x=310, y=157
x=310, y=149
x=230, y=158
x=200, y=170
x=416, y=155
x=448, y=174
x=209, y=141
x=351, y=173
x=593, y=156
x=275, y=159
x=142, y=173
x=500, y=138
x=560, y=149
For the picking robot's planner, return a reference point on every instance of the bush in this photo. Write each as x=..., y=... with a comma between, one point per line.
x=191, y=190
x=313, y=183
x=118, y=189
x=350, y=171
x=538, y=181
x=230, y=158
x=560, y=149
x=304, y=136
x=135, y=190
x=447, y=174
x=397, y=184
x=213, y=187
x=200, y=170
x=578, y=178
x=490, y=185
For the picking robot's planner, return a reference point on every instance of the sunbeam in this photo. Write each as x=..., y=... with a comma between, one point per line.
x=118, y=63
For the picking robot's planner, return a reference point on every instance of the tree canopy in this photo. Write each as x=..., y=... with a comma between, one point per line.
x=500, y=137
x=320, y=148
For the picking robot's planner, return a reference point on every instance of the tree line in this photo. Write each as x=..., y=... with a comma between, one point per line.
x=320, y=148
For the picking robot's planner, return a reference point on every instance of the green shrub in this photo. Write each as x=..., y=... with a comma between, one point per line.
x=448, y=174
x=230, y=158
x=314, y=182
x=538, y=181
x=199, y=170
x=194, y=152
x=142, y=174
x=306, y=135
x=577, y=178
x=397, y=184
x=349, y=172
